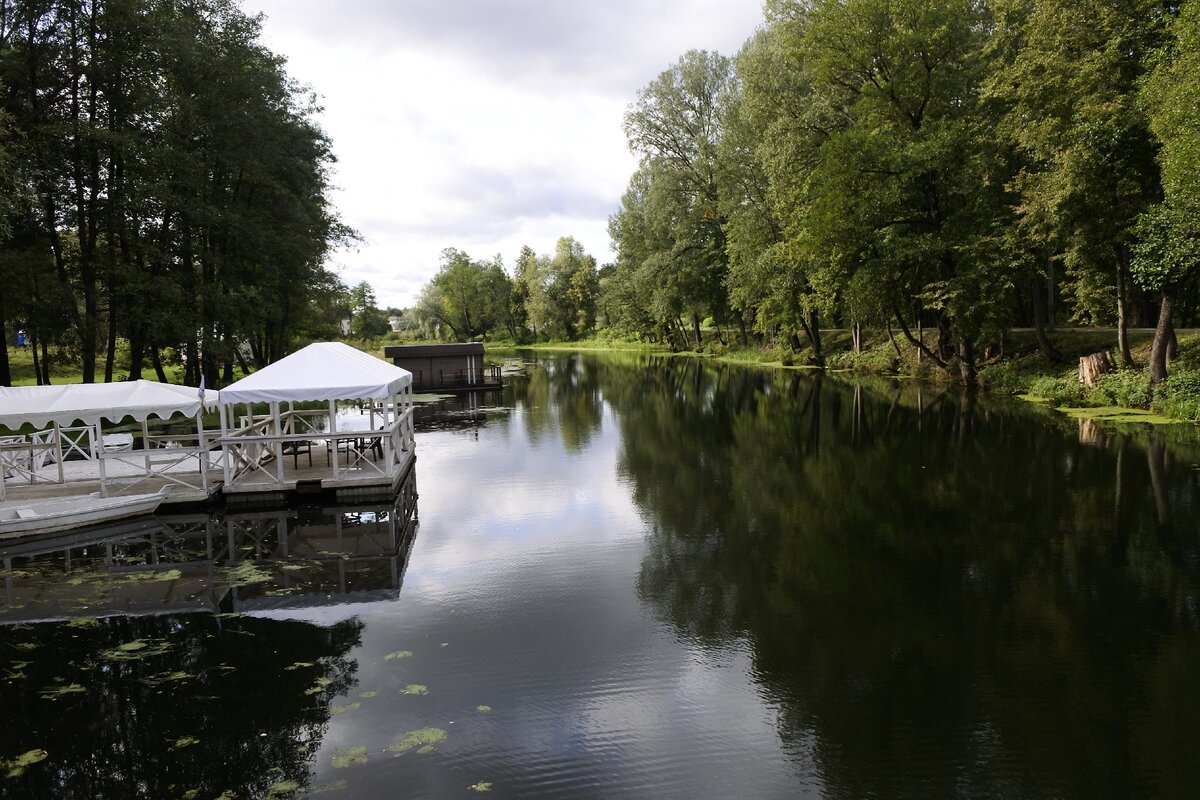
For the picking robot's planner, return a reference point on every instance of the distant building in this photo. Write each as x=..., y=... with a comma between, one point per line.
x=445, y=367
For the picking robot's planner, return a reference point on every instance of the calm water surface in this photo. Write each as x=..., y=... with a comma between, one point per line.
x=635, y=577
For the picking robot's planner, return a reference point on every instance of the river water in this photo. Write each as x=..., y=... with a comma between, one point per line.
x=642, y=577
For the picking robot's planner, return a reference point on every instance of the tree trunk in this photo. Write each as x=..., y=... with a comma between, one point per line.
x=856, y=336
x=5, y=369
x=696, y=330
x=1162, y=336
x=156, y=360
x=1123, y=313
x=1095, y=365
x=918, y=343
x=37, y=364
x=966, y=363
x=1044, y=344
x=742, y=330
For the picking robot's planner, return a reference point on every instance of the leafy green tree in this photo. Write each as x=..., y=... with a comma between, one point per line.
x=675, y=126
x=903, y=189
x=466, y=299
x=1169, y=254
x=1068, y=73
x=368, y=320
x=561, y=290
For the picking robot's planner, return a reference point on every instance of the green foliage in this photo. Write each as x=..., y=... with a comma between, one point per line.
x=1179, y=396
x=1128, y=388
x=467, y=299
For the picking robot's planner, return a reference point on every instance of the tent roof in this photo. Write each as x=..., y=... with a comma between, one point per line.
x=321, y=371
x=91, y=402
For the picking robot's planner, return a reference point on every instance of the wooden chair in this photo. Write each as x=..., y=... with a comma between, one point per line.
x=294, y=449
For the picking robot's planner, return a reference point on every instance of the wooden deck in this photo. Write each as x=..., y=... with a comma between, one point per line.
x=364, y=479
x=125, y=475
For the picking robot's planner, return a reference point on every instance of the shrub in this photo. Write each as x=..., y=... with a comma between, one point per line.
x=1179, y=397
x=1129, y=388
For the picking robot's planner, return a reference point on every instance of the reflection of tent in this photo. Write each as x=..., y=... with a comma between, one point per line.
x=255, y=446
x=86, y=407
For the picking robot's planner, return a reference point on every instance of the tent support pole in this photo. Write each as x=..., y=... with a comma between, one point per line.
x=333, y=445
x=278, y=445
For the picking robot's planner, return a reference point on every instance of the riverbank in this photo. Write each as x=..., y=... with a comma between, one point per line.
x=1014, y=367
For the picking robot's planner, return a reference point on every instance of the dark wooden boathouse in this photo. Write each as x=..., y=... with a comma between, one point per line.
x=445, y=367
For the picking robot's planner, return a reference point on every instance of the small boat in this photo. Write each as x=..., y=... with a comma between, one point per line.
x=117, y=442
x=21, y=517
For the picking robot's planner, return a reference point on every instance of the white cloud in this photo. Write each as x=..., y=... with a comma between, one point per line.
x=479, y=125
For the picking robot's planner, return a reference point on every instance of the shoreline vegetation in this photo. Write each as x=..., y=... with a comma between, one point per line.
x=1015, y=368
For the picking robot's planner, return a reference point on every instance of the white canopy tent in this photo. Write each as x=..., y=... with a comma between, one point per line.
x=321, y=371
x=324, y=371
x=91, y=402
x=86, y=406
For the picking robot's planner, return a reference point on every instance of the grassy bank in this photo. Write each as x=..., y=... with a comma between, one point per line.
x=1017, y=367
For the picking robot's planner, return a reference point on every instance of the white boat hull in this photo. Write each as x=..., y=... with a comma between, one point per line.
x=19, y=518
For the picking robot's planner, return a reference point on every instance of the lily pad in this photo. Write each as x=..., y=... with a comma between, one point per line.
x=398, y=654
x=418, y=740
x=346, y=756
x=184, y=741
x=298, y=665
x=367, y=694
x=482, y=786
x=415, y=688
x=484, y=709
x=344, y=709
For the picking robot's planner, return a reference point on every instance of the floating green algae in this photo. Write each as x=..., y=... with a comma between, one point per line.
x=423, y=740
x=482, y=786
x=414, y=688
x=17, y=767
x=321, y=683
x=367, y=694
x=298, y=665
x=483, y=709
x=346, y=756
x=344, y=709
x=60, y=691
x=137, y=649
x=283, y=789
x=1118, y=415
x=184, y=741
x=245, y=573
x=398, y=654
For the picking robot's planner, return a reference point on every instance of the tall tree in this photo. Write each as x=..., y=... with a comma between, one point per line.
x=1068, y=72
x=1169, y=255
x=675, y=126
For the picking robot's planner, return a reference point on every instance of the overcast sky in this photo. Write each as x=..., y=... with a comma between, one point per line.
x=482, y=124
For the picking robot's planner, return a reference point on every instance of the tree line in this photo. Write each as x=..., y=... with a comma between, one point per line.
x=548, y=297
x=164, y=185
x=956, y=166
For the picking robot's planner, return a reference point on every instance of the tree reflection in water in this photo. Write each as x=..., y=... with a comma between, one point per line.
x=943, y=600
x=129, y=695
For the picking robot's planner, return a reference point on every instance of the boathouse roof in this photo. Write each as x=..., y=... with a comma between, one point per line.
x=91, y=402
x=321, y=371
x=433, y=350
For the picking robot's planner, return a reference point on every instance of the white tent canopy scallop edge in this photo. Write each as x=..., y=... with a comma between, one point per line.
x=91, y=402
x=320, y=371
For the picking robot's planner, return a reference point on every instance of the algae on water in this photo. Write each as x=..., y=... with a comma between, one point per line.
x=17, y=767
x=347, y=756
x=423, y=740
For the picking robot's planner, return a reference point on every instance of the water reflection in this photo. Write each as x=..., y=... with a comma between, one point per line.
x=934, y=592
x=149, y=660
